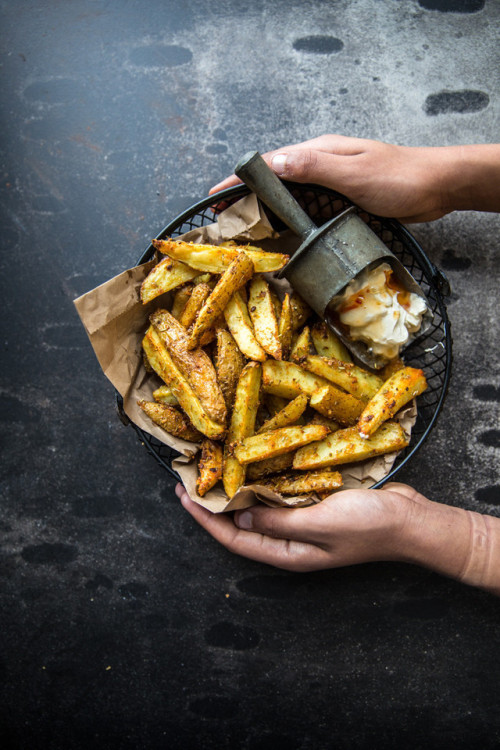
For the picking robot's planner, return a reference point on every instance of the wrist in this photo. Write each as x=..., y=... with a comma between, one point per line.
x=469, y=178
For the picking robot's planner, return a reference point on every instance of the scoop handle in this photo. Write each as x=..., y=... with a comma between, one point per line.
x=255, y=173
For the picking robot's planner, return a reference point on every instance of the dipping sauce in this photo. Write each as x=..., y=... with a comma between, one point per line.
x=376, y=309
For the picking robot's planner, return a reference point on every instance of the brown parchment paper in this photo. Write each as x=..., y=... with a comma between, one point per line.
x=116, y=321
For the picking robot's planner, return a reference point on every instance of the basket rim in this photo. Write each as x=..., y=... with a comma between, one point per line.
x=435, y=278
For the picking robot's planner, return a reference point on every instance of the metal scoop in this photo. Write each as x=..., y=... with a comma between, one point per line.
x=330, y=256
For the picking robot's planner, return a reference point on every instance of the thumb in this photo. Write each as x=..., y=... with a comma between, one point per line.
x=309, y=165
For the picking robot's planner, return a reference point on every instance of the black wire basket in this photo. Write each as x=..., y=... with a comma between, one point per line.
x=432, y=352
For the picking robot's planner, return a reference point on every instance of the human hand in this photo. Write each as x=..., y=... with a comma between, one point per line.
x=352, y=526
x=411, y=184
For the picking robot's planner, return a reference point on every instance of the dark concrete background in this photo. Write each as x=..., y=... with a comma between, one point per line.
x=123, y=625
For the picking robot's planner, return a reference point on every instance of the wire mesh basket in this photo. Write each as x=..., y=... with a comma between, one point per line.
x=432, y=352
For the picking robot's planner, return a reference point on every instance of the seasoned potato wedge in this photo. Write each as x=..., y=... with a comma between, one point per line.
x=401, y=387
x=286, y=327
x=181, y=298
x=347, y=446
x=235, y=276
x=229, y=362
x=275, y=442
x=336, y=404
x=300, y=311
x=286, y=416
x=171, y=419
x=164, y=395
x=303, y=483
x=194, y=304
x=288, y=380
x=302, y=346
x=261, y=469
x=242, y=425
x=209, y=466
x=162, y=363
x=216, y=259
x=239, y=323
x=355, y=380
x=265, y=324
x=327, y=344
x=195, y=365
x=166, y=275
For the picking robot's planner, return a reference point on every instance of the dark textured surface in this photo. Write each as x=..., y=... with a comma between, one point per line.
x=123, y=624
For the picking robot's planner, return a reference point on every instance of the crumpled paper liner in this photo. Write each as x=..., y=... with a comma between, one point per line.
x=116, y=321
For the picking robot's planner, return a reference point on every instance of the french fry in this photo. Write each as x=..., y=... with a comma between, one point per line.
x=194, y=304
x=261, y=309
x=275, y=442
x=327, y=344
x=235, y=276
x=401, y=387
x=347, y=446
x=162, y=363
x=216, y=259
x=300, y=311
x=229, y=362
x=166, y=275
x=304, y=483
x=274, y=404
x=288, y=415
x=288, y=380
x=276, y=304
x=355, y=380
x=164, y=395
x=336, y=404
x=239, y=323
x=286, y=327
x=181, y=298
x=171, y=420
x=209, y=466
x=242, y=425
x=261, y=469
x=195, y=365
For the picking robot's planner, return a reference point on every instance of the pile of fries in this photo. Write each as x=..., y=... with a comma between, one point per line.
x=264, y=386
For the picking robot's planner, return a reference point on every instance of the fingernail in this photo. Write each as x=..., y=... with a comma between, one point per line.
x=245, y=520
x=279, y=163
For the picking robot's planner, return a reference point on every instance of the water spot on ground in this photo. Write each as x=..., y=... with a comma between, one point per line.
x=452, y=262
x=452, y=6
x=14, y=410
x=489, y=495
x=490, y=438
x=134, y=590
x=55, y=91
x=486, y=392
x=161, y=56
x=49, y=554
x=216, y=148
x=318, y=45
x=460, y=102
x=98, y=581
x=230, y=635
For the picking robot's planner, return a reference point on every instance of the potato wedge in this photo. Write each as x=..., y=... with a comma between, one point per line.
x=170, y=419
x=347, y=446
x=355, y=380
x=286, y=416
x=196, y=300
x=181, y=298
x=327, y=344
x=164, y=395
x=261, y=309
x=276, y=442
x=239, y=272
x=304, y=483
x=288, y=380
x=166, y=275
x=195, y=365
x=336, y=404
x=300, y=311
x=242, y=425
x=162, y=363
x=239, y=323
x=261, y=469
x=401, y=387
x=286, y=327
x=216, y=259
x=209, y=466
x=274, y=404
x=302, y=346
x=229, y=362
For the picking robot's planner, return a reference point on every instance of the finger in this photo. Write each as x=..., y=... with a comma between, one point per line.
x=406, y=491
x=227, y=182
x=281, y=553
x=299, y=524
